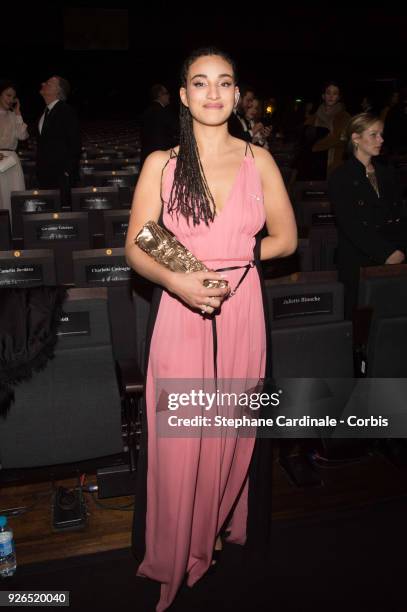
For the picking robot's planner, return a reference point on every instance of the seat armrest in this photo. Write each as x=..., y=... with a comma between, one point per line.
x=131, y=378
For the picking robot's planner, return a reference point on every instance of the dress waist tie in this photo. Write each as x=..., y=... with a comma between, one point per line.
x=246, y=269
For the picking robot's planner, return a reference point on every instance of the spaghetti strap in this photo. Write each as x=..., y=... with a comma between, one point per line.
x=248, y=147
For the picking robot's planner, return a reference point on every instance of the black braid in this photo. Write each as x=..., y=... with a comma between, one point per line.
x=190, y=194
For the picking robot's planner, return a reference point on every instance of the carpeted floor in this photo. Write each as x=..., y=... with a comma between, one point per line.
x=352, y=562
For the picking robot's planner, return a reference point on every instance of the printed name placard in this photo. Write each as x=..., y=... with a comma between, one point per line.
x=21, y=275
x=95, y=203
x=57, y=231
x=74, y=324
x=303, y=305
x=120, y=228
x=101, y=273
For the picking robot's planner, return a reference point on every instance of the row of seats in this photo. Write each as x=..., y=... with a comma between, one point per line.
x=296, y=300
x=97, y=220
x=95, y=200
x=78, y=397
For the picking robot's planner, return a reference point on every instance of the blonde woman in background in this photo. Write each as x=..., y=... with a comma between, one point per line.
x=367, y=201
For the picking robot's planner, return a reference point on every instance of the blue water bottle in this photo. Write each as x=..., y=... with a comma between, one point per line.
x=8, y=563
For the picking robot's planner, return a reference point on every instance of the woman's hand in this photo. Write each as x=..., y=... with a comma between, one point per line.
x=17, y=107
x=191, y=290
x=258, y=128
x=261, y=132
x=267, y=130
x=397, y=257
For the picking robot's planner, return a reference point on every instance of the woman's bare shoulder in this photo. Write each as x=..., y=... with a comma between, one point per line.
x=155, y=163
x=262, y=157
x=156, y=158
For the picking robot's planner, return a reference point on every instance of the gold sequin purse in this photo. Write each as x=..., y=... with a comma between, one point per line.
x=162, y=246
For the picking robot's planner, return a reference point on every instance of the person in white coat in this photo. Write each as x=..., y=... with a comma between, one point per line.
x=12, y=129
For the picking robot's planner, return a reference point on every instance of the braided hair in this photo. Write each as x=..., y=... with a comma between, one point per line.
x=190, y=194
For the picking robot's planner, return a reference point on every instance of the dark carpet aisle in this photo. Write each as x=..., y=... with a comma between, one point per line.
x=351, y=561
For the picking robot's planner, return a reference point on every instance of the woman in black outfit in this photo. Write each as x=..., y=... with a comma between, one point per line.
x=368, y=207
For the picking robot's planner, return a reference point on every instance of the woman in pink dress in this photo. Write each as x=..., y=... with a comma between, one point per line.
x=216, y=194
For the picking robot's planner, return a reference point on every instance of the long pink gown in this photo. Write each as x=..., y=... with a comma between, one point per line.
x=194, y=482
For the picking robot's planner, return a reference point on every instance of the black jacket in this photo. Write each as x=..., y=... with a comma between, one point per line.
x=159, y=129
x=370, y=228
x=237, y=129
x=58, y=147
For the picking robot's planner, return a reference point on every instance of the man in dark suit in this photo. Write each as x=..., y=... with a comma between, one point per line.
x=159, y=128
x=58, y=138
x=238, y=125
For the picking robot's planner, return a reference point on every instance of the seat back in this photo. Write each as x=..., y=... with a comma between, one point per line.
x=386, y=357
x=62, y=232
x=5, y=231
x=34, y=201
x=71, y=410
x=384, y=289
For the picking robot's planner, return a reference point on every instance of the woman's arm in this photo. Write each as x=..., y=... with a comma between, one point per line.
x=280, y=221
x=21, y=127
x=146, y=206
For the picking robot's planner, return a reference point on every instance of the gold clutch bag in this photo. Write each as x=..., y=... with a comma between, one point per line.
x=168, y=251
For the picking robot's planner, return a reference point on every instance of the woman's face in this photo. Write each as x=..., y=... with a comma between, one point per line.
x=253, y=111
x=331, y=95
x=7, y=98
x=247, y=101
x=370, y=140
x=210, y=92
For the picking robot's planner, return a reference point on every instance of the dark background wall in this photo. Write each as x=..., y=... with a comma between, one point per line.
x=112, y=54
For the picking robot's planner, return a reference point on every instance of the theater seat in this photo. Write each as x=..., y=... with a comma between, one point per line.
x=386, y=357
x=70, y=411
x=5, y=231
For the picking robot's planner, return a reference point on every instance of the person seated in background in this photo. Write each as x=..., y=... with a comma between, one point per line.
x=159, y=127
x=368, y=208
x=12, y=129
x=238, y=125
x=258, y=131
x=324, y=136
